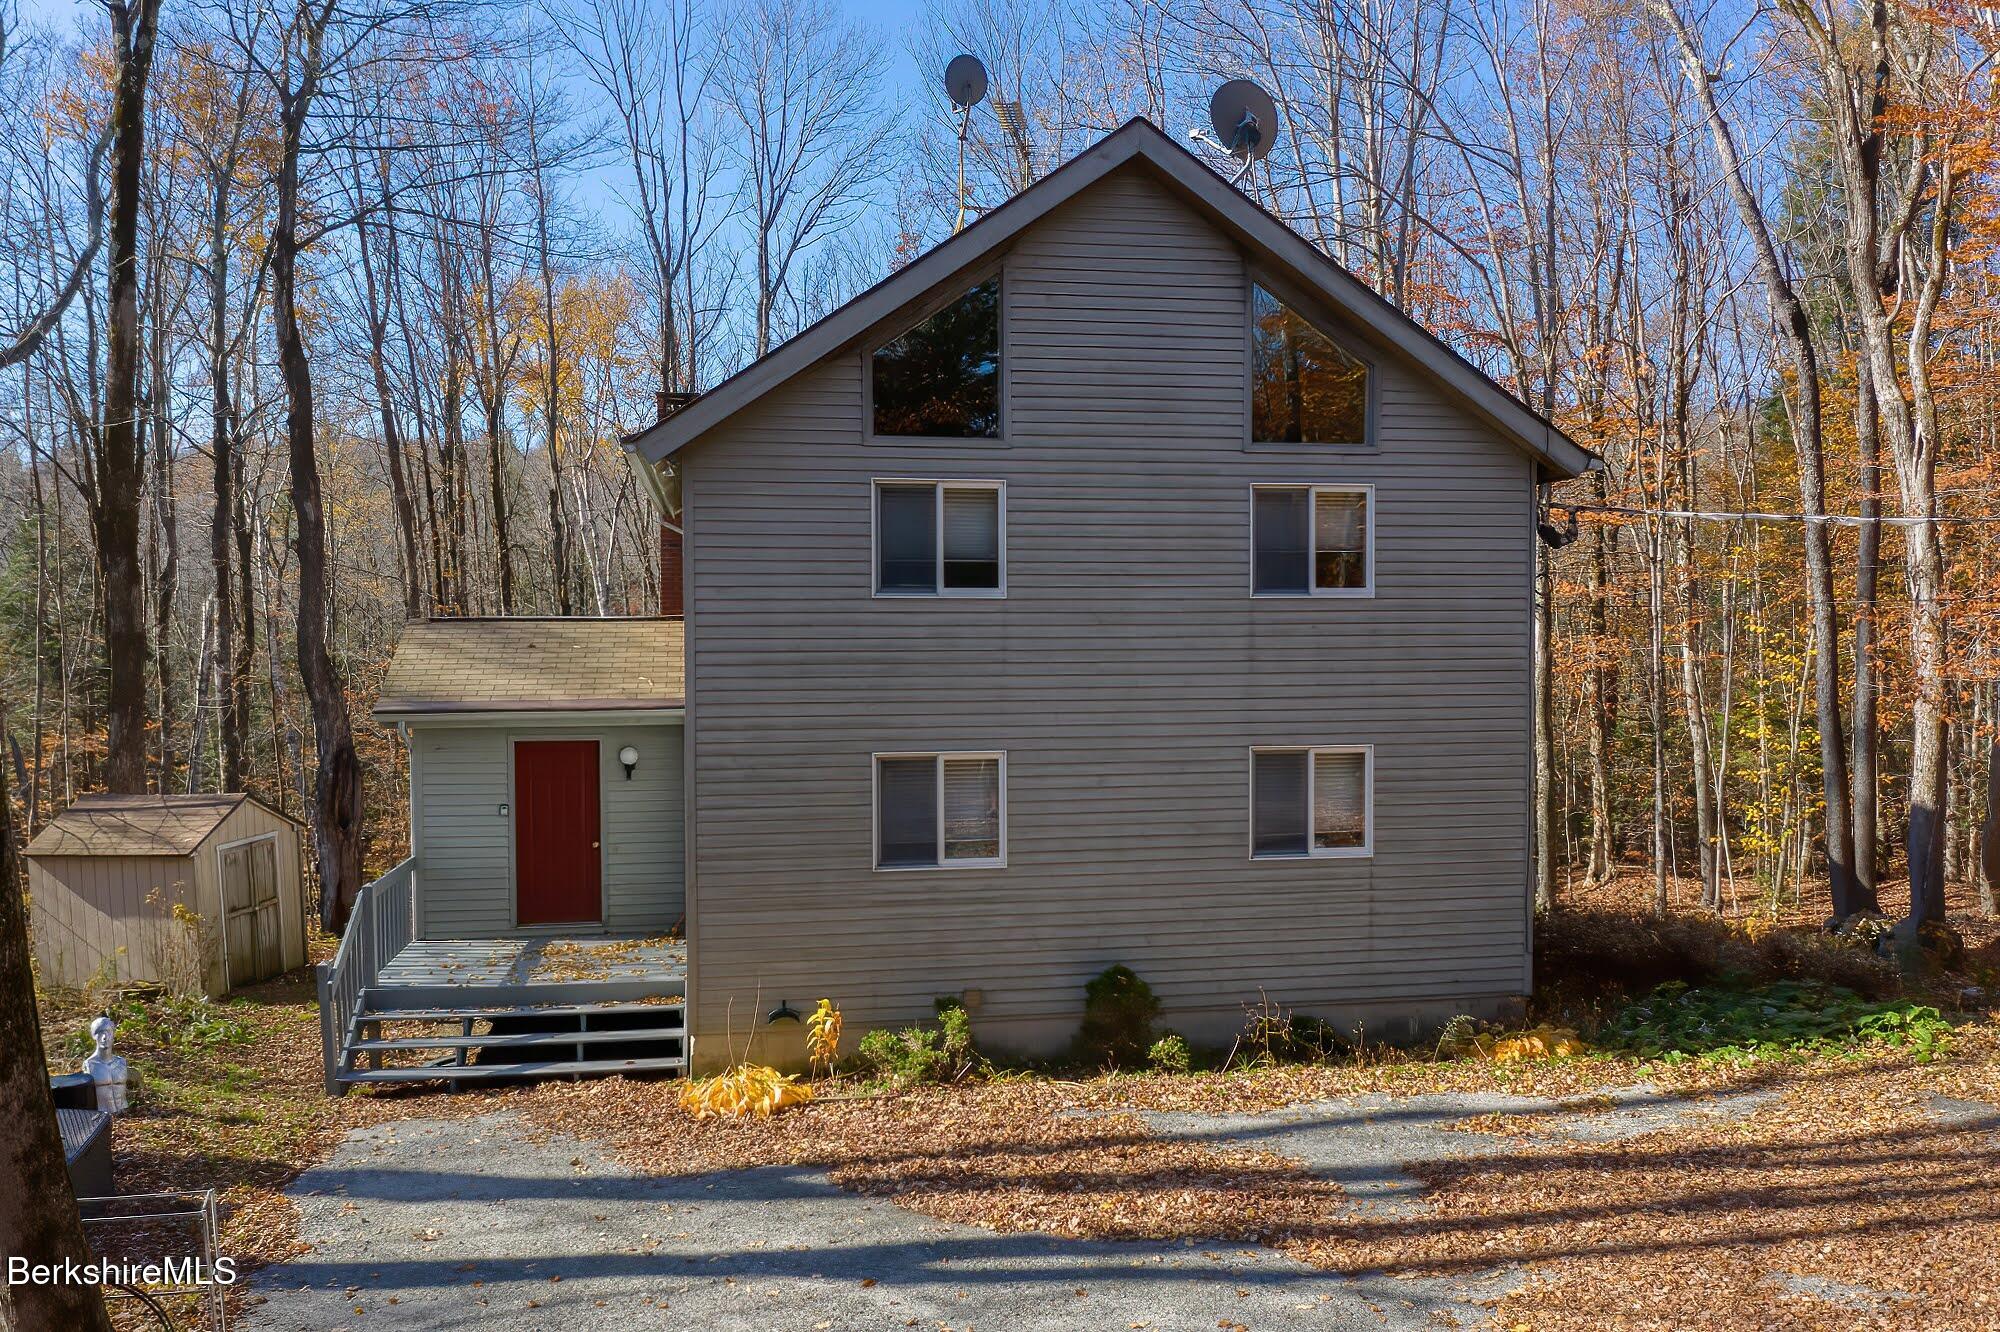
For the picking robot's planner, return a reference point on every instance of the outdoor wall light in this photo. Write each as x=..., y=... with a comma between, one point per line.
x=630, y=758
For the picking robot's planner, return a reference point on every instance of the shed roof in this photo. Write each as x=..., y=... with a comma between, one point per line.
x=136, y=825
x=534, y=664
x=1137, y=143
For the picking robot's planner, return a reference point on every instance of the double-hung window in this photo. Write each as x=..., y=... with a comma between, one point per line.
x=940, y=811
x=1312, y=801
x=1312, y=541
x=940, y=539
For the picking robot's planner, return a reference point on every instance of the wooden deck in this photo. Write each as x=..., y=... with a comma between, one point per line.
x=567, y=960
x=458, y=1011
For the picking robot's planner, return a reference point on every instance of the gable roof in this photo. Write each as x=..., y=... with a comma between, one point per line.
x=1138, y=141
x=534, y=664
x=138, y=825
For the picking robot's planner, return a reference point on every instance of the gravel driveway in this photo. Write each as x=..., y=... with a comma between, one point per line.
x=487, y=1223
x=483, y=1223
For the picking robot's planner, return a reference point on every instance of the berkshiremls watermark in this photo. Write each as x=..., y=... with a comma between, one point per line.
x=112, y=1272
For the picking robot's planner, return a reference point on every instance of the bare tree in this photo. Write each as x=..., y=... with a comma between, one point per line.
x=800, y=80
x=657, y=67
x=1808, y=446
x=120, y=466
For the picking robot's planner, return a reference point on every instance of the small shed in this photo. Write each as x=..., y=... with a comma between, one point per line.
x=192, y=892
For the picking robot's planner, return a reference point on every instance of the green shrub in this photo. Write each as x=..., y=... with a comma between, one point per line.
x=1676, y=1021
x=1169, y=1054
x=943, y=1053
x=1118, y=1013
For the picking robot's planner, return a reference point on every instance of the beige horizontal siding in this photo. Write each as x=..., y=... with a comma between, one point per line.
x=1126, y=673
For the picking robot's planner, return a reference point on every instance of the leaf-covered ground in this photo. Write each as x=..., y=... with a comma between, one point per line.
x=1866, y=1192
x=1863, y=1192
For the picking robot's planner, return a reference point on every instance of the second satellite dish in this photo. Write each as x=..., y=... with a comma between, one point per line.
x=1245, y=119
x=965, y=81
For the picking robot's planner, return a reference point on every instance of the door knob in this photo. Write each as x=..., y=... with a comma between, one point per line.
x=595, y=845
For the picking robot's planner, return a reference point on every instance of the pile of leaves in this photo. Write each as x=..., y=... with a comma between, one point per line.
x=1678, y=1021
x=747, y=1089
x=1462, y=1040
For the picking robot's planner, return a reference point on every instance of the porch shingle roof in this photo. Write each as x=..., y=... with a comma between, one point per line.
x=521, y=664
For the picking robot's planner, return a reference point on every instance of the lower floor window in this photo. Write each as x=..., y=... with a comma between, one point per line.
x=1312, y=801
x=936, y=810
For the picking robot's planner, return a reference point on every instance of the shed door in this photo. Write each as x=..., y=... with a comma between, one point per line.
x=250, y=911
x=558, y=877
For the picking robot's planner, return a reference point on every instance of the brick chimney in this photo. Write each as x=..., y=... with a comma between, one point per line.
x=671, y=600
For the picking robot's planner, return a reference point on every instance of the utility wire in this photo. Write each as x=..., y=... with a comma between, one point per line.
x=1727, y=516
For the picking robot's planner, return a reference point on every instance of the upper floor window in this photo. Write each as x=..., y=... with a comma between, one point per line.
x=939, y=539
x=1304, y=387
x=1312, y=801
x=940, y=811
x=1312, y=540
x=942, y=378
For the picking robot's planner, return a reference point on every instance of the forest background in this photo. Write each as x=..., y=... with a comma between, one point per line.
x=322, y=315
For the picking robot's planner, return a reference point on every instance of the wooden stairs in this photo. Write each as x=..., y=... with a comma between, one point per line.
x=458, y=1035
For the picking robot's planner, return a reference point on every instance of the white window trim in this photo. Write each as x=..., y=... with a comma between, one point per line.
x=939, y=485
x=1313, y=491
x=1362, y=852
x=941, y=756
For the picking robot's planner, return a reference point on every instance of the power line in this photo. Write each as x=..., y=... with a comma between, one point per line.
x=1732, y=516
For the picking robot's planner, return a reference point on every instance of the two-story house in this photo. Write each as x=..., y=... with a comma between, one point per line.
x=1121, y=581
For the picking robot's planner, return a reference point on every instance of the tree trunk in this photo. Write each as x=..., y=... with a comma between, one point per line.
x=337, y=788
x=1864, y=731
x=166, y=525
x=121, y=469
x=1544, y=721
x=38, y=1216
x=392, y=435
x=1989, y=838
x=1602, y=682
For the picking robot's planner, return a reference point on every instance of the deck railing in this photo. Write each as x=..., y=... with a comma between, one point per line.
x=382, y=926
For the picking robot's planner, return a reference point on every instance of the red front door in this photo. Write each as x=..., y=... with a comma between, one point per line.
x=558, y=875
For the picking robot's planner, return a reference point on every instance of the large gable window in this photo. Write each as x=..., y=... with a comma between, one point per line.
x=1304, y=388
x=942, y=378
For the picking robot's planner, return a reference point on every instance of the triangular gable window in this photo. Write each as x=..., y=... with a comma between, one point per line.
x=942, y=378
x=1304, y=388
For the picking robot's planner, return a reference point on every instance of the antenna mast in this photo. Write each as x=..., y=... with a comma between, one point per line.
x=965, y=84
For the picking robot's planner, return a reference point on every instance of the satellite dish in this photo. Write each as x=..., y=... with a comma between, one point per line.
x=1245, y=119
x=965, y=81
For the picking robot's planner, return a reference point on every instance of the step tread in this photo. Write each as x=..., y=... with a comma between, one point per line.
x=367, y=1014
x=521, y=1039
x=484, y=1072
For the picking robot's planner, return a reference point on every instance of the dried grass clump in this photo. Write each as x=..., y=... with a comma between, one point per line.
x=747, y=1089
x=1586, y=959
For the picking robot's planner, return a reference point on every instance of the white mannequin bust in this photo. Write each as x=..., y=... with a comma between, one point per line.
x=106, y=1069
